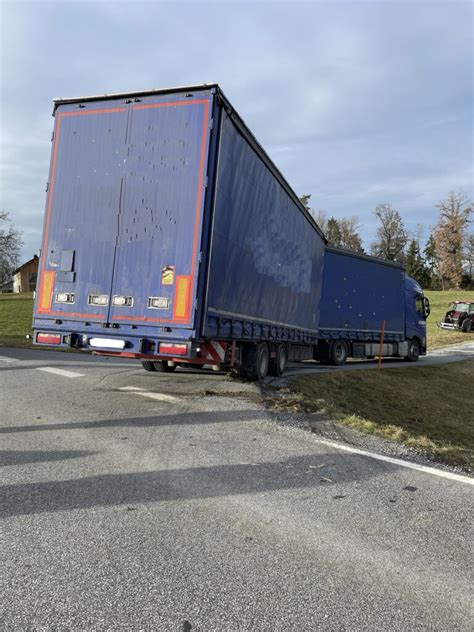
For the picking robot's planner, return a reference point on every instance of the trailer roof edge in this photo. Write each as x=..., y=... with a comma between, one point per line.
x=359, y=255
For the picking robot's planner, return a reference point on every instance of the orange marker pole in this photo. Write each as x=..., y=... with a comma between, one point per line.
x=382, y=331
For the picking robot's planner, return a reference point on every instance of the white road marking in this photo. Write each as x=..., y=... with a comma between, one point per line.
x=162, y=397
x=5, y=359
x=159, y=396
x=388, y=459
x=62, y=372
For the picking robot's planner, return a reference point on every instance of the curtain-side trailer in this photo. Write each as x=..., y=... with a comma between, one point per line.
x=170, y=236
x=363, y=296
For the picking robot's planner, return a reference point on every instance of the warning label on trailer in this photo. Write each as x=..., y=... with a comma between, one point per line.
x=167, y=275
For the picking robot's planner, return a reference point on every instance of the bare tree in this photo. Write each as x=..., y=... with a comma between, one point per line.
x=320, y=218
x=350, y=236
x=449, y=235
x=391, y=234
x=10, y=245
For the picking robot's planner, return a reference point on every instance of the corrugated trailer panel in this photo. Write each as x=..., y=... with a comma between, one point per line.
x=266, y=256
x=359, y=292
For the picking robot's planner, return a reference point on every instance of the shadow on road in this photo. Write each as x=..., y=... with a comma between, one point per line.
x=307, y=471
x=23, y=457
x=206, y=417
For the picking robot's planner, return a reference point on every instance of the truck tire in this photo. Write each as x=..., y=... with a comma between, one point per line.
x=339, y=352
x=466, y=325
x=256, y=360
x=278, y=363
x=163, y=366
x=413, y=351
x=148, y=366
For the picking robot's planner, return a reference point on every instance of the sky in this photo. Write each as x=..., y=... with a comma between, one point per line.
x=357, y=102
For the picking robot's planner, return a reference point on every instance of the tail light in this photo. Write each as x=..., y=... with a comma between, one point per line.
x=173, y=348
x=48, y=339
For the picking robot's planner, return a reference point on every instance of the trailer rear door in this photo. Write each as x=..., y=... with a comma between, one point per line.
x=80, y=229
x=159, y=234
x=122, y=230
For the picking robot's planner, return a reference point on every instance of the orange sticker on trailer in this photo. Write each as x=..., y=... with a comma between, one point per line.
x=182, y=298
x=46, y=292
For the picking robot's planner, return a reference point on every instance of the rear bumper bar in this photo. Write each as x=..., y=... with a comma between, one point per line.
x=142, y=348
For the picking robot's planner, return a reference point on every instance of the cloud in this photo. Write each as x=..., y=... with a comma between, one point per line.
x=356, y=102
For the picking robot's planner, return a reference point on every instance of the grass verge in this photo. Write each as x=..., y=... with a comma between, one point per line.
x=430, y=409
x=439, y=302
x=16, y=314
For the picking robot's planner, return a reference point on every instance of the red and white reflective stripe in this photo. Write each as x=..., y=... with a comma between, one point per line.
x=216, y=351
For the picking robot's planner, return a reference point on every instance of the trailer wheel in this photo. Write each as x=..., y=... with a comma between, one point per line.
x=148, y=366
x=256, y=360
x=339, y=352
x=163, y=366
x=413, y=351
x=467, y=325
x=278, y=364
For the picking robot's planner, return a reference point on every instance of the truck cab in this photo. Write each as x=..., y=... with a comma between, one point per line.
x=417, y=310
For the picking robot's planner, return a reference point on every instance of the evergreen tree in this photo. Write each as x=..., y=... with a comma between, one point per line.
x=415, y=265
x=304, y=199
x=333, y=232
x=432, y=264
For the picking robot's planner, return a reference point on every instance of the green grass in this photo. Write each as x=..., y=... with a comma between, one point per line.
x=439, y=302
x=427, y=408
x=16, y=313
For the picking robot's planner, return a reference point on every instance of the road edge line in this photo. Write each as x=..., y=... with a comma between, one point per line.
x=389, y=459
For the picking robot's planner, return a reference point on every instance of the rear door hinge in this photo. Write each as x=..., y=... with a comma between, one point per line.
x=52, y=136
x=211, y=124
x=47, y=187
x=206, y=181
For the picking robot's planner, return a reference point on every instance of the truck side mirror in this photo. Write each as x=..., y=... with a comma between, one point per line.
x=426, y=304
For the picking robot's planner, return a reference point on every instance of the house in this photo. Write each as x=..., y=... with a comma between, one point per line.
x=24, y=277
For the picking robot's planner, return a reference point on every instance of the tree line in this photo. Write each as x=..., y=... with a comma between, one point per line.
x=447, y=258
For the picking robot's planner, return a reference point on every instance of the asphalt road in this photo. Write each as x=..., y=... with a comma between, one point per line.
x=139, y=501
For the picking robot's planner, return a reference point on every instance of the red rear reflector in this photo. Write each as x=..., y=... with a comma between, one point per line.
x=49, y=339
x=173, y=349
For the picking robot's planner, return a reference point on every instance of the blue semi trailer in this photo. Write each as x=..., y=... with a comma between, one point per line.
x=170, y=236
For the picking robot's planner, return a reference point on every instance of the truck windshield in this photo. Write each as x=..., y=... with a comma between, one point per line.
x=460, y=307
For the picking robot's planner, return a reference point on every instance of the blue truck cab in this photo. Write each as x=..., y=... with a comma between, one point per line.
x=417, y=310
x=369, y=307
